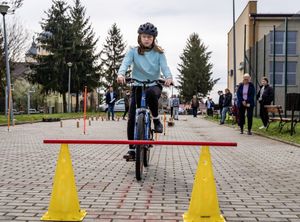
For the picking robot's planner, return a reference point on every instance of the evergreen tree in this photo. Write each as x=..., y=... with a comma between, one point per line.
x=51, y=70
x=112, y=56
x=195, y=69
x=85, y=70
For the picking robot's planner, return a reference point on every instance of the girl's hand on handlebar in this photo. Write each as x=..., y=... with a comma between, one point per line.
x=121, y=79
x=168, y=82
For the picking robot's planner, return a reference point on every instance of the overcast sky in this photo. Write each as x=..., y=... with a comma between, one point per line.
x=175, y=19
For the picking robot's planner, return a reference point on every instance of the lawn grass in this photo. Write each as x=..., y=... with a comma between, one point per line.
x=38, y=117
x=272, y=132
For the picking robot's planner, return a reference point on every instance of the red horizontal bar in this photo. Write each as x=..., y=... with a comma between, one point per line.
x=141, y=142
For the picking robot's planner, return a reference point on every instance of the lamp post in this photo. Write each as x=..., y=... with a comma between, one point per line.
x=234, y=46
x=69, y=87
x=3, y=10
x=28, y=99
x=88, y=76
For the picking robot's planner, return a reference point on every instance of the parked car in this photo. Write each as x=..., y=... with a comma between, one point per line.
x=15, y=112
x=33, y=111
x=181, y=110
x=119, y=106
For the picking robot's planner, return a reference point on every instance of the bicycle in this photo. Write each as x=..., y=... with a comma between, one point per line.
x=142, y=129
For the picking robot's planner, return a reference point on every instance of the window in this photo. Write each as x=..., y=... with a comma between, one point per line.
x=280, y=43
x=279, y=73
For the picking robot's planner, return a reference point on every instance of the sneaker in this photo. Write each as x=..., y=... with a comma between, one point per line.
x=249, y=133
x=242, y=131
x=262, y=127
x=221, y=123
x=158, y=127
x=130, y=155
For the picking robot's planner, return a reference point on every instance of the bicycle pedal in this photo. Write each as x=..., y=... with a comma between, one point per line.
x=158, y=132
x=128, y=159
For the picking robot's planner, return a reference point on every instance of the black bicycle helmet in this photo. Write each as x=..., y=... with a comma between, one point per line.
x=148, y=28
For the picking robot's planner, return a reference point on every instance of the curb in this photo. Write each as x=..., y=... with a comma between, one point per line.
x=262, y=135
x=36, y=121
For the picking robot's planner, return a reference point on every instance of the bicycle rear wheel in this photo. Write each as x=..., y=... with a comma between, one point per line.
x=139, y=149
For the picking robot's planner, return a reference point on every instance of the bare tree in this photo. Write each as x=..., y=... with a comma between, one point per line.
x=16, y=3
x=18, y=40
x=13, y=4
x=17, y=35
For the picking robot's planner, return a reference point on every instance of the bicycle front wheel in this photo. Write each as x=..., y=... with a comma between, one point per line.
x=147, y=148
x=139, y=150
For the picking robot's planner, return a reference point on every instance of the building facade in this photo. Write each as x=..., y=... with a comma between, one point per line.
x=256, y=55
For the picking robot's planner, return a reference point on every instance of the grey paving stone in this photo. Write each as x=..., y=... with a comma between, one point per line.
x=256, y=181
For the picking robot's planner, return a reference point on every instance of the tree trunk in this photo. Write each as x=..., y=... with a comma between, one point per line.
x=64, y=103
x=92, y=102
x=77, y=102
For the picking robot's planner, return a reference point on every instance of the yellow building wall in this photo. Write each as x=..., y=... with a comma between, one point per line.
x=242, y=20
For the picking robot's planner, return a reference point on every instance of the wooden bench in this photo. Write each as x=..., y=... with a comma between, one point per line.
x=277, y=111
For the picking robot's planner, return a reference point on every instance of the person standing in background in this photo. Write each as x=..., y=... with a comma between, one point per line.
x=194, y=105
x=235, y=109
x=175, y=103
x=209, y=106
x=111, y=97
x=265, y=96
x=221, y=101
x=246, y=96
x=227, y=103
x=171, y=105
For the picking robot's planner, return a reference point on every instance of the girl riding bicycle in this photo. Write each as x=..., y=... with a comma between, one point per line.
x=148, y=61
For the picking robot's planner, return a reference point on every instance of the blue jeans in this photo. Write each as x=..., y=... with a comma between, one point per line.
x=111, y=110
x=195, y=111
x=224, y=111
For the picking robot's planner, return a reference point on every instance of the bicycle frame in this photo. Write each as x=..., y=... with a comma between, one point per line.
x=144, y=109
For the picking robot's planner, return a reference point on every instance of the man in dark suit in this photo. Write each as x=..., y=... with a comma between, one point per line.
x=246, y=95
x=110, y=99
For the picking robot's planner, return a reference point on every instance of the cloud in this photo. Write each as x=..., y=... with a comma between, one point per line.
x=176, y=20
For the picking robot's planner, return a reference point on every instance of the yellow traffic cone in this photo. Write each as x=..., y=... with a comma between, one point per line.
x=204, y=205
x=64, y=203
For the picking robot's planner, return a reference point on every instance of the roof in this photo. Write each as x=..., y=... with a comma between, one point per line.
x=19, y=69
x=33, y=49
x=271, y=15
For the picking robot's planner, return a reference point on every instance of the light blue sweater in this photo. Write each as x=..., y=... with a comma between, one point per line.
x=147, y=66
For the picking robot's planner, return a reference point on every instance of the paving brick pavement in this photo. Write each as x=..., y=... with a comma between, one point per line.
x=257, y=181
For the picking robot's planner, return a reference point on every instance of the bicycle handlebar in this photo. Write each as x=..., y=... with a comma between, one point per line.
x=159, y=81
